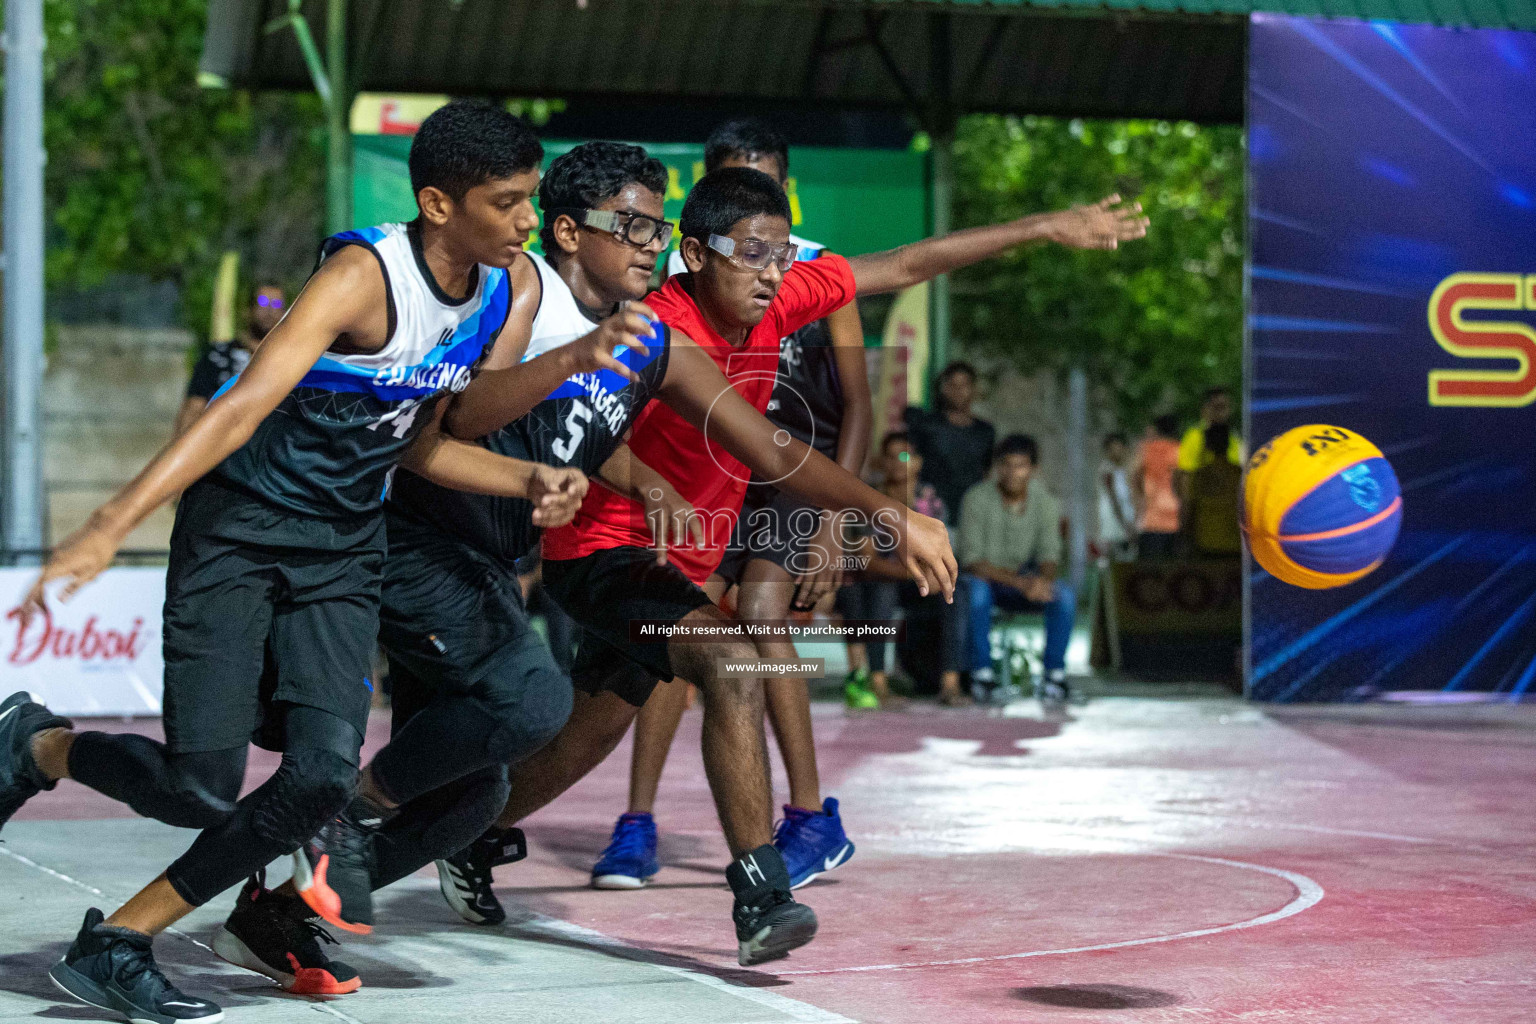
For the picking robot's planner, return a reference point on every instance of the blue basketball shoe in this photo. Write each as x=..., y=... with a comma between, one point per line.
x=811, y=842
x=630, y=860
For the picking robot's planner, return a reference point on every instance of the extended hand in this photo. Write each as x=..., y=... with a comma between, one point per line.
x=631, y=326
x=556, y=493
x=825, y=551
x=1102, y=225
x=924, y=550
x=80, y=559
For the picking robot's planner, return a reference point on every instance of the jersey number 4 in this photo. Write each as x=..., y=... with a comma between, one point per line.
x=565, y=449
x=401, y=417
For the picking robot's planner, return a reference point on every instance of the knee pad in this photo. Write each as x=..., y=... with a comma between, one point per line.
x=528, y=726
x=310, y=787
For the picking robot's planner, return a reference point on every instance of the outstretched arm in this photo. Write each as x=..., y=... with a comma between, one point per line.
x=1102, y=225
x=345, y=296
x=556, y=492
x=508, y=389
x=696, y=389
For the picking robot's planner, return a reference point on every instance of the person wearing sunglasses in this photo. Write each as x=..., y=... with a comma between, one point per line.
x=222, y=360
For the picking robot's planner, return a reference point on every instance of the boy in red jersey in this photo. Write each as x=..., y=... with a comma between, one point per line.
x=743, y=293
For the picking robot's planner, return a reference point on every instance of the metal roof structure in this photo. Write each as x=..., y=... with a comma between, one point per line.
x=933, y=58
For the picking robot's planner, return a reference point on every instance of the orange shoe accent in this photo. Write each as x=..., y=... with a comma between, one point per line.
x=316, y=981
x=322, y=899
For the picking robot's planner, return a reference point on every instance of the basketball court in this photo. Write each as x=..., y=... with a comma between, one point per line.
x=1140, y=858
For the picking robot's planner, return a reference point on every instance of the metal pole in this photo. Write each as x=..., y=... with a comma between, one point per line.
x=22, y=482
x=941, y=128
x=338, y=112
x=943, y=154
x=1077, y=476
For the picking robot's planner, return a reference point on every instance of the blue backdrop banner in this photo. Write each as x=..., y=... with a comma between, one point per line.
x=1393, y=293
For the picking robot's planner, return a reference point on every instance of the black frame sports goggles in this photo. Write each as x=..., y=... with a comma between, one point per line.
x=754, y=253
x=635, y=228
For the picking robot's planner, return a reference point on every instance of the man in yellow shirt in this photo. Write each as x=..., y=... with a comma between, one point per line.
x=1213, y=450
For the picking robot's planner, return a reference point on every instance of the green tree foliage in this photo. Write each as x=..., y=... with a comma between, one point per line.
x=1154, y=322
x=152, y=176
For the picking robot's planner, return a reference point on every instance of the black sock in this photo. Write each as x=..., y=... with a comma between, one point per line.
x=757, y=872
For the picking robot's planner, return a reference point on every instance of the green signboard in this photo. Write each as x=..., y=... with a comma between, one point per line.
x=850, y=200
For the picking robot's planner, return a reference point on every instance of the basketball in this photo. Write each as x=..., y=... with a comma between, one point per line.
x=1321, y=506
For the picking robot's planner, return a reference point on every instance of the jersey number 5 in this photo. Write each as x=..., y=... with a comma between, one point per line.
x=566, y=449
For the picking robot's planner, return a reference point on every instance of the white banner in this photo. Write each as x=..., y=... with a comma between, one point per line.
x=97, y=654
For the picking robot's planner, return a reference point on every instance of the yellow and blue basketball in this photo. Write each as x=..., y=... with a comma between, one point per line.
x=1321, y=506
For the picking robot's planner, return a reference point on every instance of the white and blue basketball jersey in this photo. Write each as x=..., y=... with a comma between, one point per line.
x=580, y=424
x=330, y=448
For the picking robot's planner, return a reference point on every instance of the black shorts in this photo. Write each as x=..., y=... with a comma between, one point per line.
x=453, y=621
x=250, y=625
x=606, y=591
x=774, y=526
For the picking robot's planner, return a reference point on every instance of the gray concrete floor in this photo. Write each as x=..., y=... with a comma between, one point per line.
x=426, y=967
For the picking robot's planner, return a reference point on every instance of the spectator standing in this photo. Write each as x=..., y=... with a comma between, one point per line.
x=1210, y=469
x=1010, y=545
x=1117, y=510
x=883, y=587
x=1154, y=487
x=954, y=444
x=223, y=361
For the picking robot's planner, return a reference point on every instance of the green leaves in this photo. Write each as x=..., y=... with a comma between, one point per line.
x=151, y=175
x=1155, y=322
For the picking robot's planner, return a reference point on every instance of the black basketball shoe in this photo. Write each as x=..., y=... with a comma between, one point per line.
x=279, y=936
x=20, y=778
x=114, y=969
x=334, y=870
x=769, y=923
x=465, y=878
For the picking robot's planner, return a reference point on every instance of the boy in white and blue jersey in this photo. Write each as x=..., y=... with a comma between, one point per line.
x=272, y=592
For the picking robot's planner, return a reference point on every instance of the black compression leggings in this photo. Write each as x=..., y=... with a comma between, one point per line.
x=188, y=790
x=439, y=824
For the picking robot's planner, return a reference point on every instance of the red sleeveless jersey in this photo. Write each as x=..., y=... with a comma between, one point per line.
x=705, y=474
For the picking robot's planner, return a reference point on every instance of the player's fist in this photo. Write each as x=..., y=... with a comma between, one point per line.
x=1101, y=225
x=633, y=326
x=924, y=550
x=556, y=493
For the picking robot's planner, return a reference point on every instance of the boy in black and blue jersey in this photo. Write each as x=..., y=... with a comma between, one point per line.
x=272, y=592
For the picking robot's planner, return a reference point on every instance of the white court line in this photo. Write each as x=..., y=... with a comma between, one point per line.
x=1308, y=894
x=793, y=1007
x=804, y=1012
x=61, y=876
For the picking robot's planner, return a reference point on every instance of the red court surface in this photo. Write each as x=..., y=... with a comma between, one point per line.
x=1142, y=860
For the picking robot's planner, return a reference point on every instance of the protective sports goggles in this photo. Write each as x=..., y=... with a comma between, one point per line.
x=754, y=253
x=635, y=228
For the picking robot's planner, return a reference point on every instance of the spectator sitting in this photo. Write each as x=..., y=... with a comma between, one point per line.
x=1210, y=469
x=1158, y=529
x=1010, y=545
x=884, y=585
x=224, y=360
x=1117, y=512
x=955, y=445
